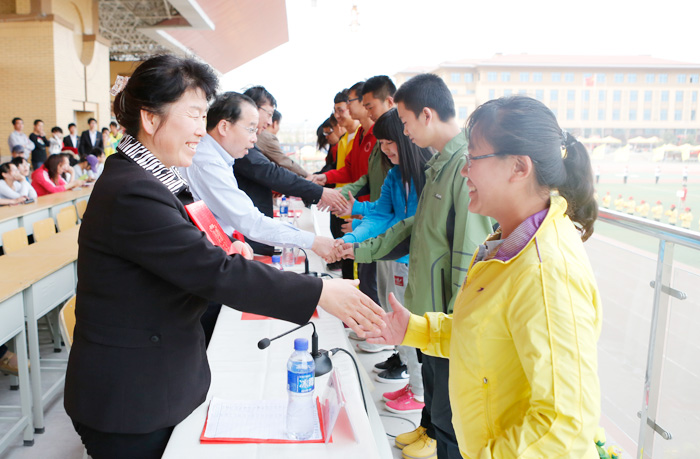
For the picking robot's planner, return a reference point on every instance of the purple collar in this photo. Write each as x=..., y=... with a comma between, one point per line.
x=518, y=239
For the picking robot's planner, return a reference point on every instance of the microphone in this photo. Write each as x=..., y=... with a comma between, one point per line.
x=306, y=268
x=322, y=361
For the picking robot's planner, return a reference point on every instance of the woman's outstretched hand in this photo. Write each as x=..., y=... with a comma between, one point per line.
x=396, y=325
x=341, y=298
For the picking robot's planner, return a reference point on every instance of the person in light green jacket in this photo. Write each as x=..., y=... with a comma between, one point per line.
x=440, y=239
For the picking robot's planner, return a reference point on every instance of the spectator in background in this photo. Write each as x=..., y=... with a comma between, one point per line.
x=23, y=166
x=17, y=151
x=17, y=137
x=107, y=146
x=90, y=139
x=269, y=145
x=40, y=142
x=85, y=169
x=71, y=140
x=13, y=184
x=56, y=140
x=115, y=135
x=100, y=155
x=47, y=179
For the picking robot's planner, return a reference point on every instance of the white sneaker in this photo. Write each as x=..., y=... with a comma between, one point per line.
x=372, y=348
x=353, y=335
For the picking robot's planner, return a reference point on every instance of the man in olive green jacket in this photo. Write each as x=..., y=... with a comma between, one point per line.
x=440, y=239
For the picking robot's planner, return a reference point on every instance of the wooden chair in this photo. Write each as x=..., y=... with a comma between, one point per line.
x=66, y=321
x=66, y=218
x=81, y=206
x=44, y=229
x=14, y=240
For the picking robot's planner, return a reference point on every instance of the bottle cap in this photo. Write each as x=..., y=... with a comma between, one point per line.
x=301, y=344
x=275, y=258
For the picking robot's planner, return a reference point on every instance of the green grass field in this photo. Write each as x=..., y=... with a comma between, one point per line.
x=641, y=186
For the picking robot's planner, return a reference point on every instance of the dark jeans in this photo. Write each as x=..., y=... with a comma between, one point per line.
x=367, y=273
x=103, y=445
x=437, y=413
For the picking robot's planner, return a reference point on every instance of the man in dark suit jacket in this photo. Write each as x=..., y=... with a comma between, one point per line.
x=72, y=139
x=138, y=362
x=90, y=139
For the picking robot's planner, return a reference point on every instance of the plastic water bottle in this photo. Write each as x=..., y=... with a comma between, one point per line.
x=276, y=262
x=288, y=257
x=284, y=209
x=301, y=408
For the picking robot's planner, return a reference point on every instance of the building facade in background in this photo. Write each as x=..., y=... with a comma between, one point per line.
x=622, y=96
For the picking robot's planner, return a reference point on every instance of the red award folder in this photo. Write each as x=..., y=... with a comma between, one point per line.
x=202, y=217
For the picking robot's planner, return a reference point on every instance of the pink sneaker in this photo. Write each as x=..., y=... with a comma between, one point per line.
x=397, y=394
x=405, y=404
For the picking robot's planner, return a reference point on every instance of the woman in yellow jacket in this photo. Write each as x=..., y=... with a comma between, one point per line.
x=522, y=339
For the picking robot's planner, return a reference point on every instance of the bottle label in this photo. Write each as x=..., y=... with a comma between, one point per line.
x=300, y=383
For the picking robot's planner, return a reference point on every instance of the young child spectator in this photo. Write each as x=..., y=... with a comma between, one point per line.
x=40, y=142
x=47, y=179
x=13, y=184
x=56, y=140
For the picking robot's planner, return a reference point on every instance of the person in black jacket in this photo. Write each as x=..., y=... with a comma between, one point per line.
x=89, y=139
x=138, y=364
x=257, y=176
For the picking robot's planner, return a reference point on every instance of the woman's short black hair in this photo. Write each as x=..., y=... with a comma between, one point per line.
x=157, y=83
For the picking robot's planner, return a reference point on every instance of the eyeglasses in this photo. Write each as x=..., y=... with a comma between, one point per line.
x=266, y=111
x=250, y=130
x=352, y=100
x=326, y=134
x=471, y=158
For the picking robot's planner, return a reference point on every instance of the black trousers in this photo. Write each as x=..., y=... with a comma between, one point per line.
x=103, y=445
x=367, y=273
x=437, y=413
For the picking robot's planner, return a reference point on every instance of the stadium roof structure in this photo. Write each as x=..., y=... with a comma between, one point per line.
x=224, y=33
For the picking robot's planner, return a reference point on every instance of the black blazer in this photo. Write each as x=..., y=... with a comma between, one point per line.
x=67, y=142
x=138, y=361
x=85, y=146
x=257, y=176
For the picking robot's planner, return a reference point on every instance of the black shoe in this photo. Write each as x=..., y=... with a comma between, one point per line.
x=393, y=375
x=390, y=363
x=334, y=266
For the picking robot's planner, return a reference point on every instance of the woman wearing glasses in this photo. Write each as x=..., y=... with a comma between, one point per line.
x=522, y=339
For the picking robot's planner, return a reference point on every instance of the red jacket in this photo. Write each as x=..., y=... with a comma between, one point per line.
x=357, y=160
x=43, y=184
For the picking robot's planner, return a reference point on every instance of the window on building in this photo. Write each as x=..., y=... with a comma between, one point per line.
x=601, y=114
x=678, y=115
x=584, y=114
x=537, y=77
x=647, y=115
x=468, y=77
x=507, y=92
x=664, y=96
x=569, y=77
x=571, y=95
x=455, y=77
x=492, y=76
x=470, y=92
x=601, y=95
x=524, y=77
x=539, y=94
x=694, y=96
x=680, y=78
x=694, y=78
x=492, y=94
x=569, y=113
x=679, y=96
x=633, y=115
x=454, y=91
x=505, y=76
x=631, y=77
x=553, y=94
x=617, y=95
x=692, y=115
x=616, y=114
x=663, y=77
x=650, y=78
x=600, y=78
x=463, y=113
x=586, y=95
x=663, y=114
x=522, y=92
x=633, y=96
x=619, y=78
x=556, y=77
x=647, y=96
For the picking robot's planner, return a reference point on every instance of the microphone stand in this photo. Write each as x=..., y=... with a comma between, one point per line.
x=322, y=361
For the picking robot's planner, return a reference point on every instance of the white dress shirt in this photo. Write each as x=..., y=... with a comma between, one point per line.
x=211, y=179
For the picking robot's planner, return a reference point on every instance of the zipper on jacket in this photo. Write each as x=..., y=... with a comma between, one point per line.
x=487, y=409
x=444, y=294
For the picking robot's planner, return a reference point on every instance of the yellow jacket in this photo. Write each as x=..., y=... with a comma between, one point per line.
x=643, y=209
x=657, y=211
x=606, y=201
x=344, y=147
x=523, y=361
x=686, y=219
x=672, y=215
x=619, y=204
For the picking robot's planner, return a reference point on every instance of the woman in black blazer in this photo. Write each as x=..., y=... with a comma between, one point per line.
x=138, y=364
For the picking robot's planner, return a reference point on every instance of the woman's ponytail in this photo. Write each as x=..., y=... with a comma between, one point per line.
x=578, y=189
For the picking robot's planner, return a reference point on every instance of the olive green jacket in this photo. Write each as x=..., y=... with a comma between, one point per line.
x=440, y=238
x=373, y=179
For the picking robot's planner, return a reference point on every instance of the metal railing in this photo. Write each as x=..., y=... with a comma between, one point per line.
x=668, y=237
